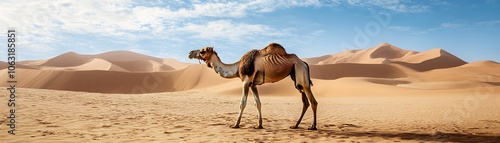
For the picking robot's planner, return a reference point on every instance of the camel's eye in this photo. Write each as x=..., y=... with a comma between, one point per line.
x=202, y=52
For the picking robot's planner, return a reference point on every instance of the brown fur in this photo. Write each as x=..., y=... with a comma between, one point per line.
x=273, y=48
x=207, y=53
x=247, y=66
x=268, y=65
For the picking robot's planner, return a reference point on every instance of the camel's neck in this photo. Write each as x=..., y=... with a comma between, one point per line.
x=224, y=70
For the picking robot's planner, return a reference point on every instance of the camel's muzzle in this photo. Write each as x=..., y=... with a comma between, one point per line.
x=194, y=54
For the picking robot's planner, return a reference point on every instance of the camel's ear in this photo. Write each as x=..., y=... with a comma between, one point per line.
x=207, y=49
x=210, y=49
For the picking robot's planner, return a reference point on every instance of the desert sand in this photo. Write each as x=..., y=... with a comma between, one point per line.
x=380, y=94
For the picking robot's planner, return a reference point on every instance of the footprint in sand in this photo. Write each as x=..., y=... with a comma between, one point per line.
x=341, y=126
x=348, y=126
x=179, y=126
x=217, y=124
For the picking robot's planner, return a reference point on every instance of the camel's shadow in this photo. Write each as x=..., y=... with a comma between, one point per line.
x=328, y=132
x=437, y=137
x=342, y=131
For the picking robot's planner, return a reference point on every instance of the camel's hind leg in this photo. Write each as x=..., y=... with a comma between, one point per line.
x=301, y=76
x=314, y=105
x=258, y=105
x=304, y=109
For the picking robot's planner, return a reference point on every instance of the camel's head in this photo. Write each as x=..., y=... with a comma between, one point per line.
x=204, y=54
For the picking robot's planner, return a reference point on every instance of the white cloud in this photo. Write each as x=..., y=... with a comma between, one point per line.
x=450, y=25
x=488, y=23
x=43, y=23
x=230, y=9
x=442, y=26
x=124, y=18
x=400, y=28
x=393, y=5
x=440, y=2
x=318, y=33
x=226, y=29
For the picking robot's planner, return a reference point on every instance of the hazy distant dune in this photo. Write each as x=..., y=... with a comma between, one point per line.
x=382, y=66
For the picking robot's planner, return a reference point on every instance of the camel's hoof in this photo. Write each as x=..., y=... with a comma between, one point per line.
x=234, y=126
x=294, y=127
x=312, y=128
x=258, y=127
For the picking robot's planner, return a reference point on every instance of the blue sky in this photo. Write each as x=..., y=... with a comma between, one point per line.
x=470, y=29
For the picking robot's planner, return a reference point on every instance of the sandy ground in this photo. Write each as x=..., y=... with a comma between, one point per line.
x=380, y=94
x=204, y=116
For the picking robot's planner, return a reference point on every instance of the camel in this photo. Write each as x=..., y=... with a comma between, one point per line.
x=257, y=67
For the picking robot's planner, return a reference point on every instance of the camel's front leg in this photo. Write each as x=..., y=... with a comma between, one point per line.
x=242, y=104
x=258, y=105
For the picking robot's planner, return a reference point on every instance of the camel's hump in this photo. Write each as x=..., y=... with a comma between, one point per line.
x=273, y=54
x=273, y=49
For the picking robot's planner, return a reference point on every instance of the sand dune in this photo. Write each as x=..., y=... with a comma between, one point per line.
x=142, y=66
x=486, y=63
x=67, y=60
x=122, y=61
x=384, y=66
x=335, y=71
x=382, y=53
x=34, y=63
x=429, y=60
x=123, y=56
x=381, y=94
x=93, y=64
x=446, y=85
x=317, y=60
x=115, y=81
x=386, y=53
x=4, y=65
x=174, y=63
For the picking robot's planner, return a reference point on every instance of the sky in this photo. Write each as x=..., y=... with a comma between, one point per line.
x=469, y=29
